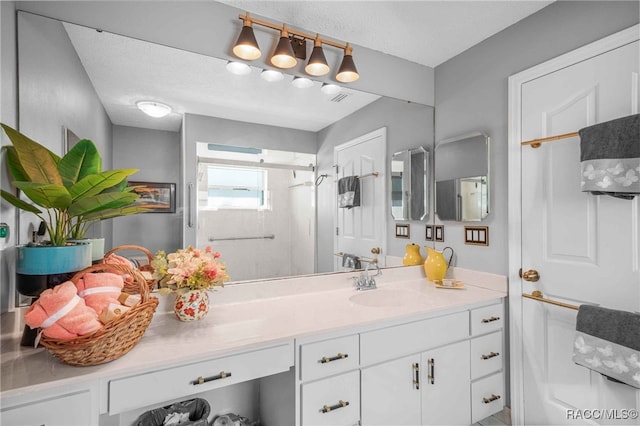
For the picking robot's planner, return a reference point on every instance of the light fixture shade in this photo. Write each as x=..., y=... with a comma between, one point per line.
x=302, y=82
x=283, y=56
x=347, y=72
x=238, y=68
x=317, y=64
x=153, y=109
x=247, y=46
x=271, y=75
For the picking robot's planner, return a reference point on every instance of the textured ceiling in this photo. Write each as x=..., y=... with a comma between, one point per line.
x=425, y=31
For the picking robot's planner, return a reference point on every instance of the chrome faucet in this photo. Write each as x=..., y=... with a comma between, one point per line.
x=364, y=281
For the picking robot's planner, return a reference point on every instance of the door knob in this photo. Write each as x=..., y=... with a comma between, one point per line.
x=375, y=250
x=531, y=275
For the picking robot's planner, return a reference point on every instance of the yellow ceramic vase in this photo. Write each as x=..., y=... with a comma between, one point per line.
x=412, y=256
x=435, y=266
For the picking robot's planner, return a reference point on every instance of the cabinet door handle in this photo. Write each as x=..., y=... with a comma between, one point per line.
x=340, y=404
x=328, y=359
x=486, y=320
x=494, y=397
x=201, y=380
x=432, y=370
x=491, y=355
x=416, y=372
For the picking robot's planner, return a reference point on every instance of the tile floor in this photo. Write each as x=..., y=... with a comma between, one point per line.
x=503, y=418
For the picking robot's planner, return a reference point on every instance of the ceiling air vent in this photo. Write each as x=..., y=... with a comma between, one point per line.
x=339, y=97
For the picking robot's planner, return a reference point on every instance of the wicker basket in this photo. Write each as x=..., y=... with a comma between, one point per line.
x=115, y=338
x=151, y=283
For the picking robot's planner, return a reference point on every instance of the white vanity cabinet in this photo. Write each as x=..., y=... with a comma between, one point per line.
x=74, y=409
x=429, y=387
x=487, y=361
x=329, y=381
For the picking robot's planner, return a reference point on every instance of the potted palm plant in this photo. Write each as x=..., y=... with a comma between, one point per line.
x=66, y=193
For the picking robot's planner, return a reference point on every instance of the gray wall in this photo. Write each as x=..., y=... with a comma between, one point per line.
x=471, y=95
x=157, y=154
x=409, y=125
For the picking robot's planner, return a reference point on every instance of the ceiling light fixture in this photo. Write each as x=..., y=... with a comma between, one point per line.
x=153, y=109
x=317, y=64
x=285, y=55
x=238, y=68
x=246, y=46
x=330, y=89
x=347, y=72
x=271, y=75
x=302, y=82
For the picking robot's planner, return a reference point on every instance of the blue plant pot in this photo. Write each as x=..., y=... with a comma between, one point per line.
x=52, y=260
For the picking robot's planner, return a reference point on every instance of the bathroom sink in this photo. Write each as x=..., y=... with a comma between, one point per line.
x=382, y=297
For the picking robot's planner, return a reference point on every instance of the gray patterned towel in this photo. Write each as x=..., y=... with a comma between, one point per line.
x=349, y=192
x=608, y=342
x=610, y=157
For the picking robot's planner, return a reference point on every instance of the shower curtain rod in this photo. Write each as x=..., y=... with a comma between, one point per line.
x=310, y=167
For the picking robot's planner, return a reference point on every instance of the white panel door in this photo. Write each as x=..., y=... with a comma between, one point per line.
x=584, y=247
x=360, y=229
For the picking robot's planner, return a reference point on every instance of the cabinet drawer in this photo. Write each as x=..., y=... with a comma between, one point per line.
x=486, y=355
x=332, y=402
x=163, y=385
x=487, y=319
x=487, y=397
x=68, y=410
x=329, y=357
x=393, y=342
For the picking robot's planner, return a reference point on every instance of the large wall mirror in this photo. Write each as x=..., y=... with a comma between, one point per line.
x=409, y=184
x=223, y=109
x=462, y=178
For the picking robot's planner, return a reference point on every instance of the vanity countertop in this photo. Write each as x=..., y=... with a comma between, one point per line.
x=247, y=316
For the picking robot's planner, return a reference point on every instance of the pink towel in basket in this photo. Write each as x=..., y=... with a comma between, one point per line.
x=61, y=313
x=100, y=289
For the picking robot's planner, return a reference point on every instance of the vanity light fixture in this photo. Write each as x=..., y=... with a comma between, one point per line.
x=238, y=68
x=271, y=75
x=347, y=72
x=330, y=89
x=246, y=46
x=285, y=55
x=302, y=82
x=153, y=109
x=317, y=64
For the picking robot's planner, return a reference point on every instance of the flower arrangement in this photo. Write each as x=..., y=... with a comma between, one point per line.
x=189, y=269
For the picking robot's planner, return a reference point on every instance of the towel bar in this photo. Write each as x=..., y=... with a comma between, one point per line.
x=361, y=259
x=266, y=237
x=535, y=143
x=537, y=295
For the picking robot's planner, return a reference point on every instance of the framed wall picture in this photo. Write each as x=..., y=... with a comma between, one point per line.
x=155, y=196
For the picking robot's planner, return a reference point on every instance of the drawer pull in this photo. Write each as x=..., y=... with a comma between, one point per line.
x=432, y=370
x=494, y=397
x=416, y=371
x=328, y=408
x=491, y=355
x=201, y=380
x=326, y=359
x=486, y=320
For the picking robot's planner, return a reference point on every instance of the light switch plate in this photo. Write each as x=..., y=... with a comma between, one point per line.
x=402, y=230
x=476, y=235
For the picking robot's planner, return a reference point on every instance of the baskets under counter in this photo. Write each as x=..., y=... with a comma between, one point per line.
x=115, y=338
